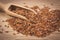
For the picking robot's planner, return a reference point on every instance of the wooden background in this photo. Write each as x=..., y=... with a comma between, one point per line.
x=54, y=4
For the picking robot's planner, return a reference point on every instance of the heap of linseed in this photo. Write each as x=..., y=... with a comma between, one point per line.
x=46, y=21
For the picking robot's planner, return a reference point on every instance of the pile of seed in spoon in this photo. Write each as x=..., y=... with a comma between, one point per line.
x=45, y=21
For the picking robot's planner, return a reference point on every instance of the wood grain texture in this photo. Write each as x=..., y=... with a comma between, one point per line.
x=40, y=3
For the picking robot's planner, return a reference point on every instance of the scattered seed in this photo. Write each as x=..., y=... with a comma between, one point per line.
x=7, y=26
x=7, y=31
x=3, y=21
x=59, y=30
x=2, y=29
x=0, y=26
x=14, y=33
x=52, y=4
x=1, y=32
x=24, y=3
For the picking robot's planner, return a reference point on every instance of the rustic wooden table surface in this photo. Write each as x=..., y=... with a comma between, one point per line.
x=54, y=4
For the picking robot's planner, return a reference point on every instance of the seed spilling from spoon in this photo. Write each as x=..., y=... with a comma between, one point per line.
x=44, y=23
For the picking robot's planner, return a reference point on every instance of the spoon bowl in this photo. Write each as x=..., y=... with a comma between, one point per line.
x=5, y=9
